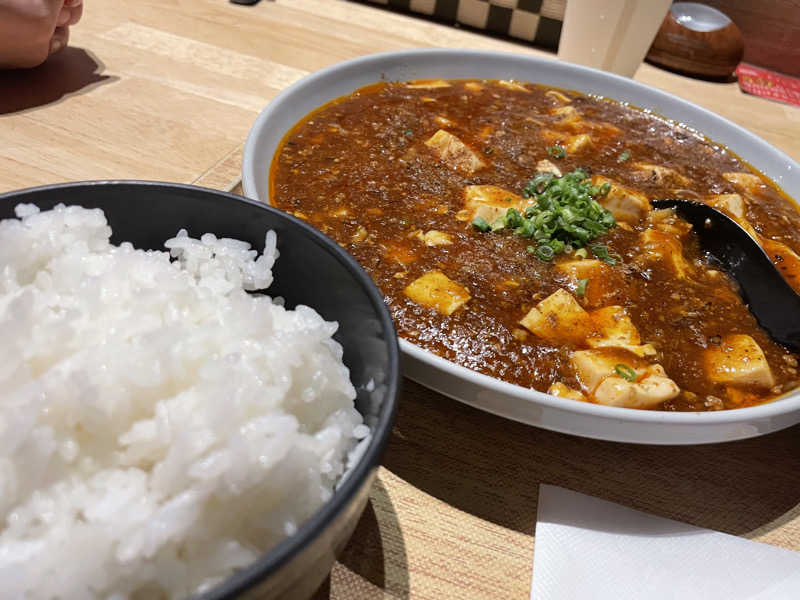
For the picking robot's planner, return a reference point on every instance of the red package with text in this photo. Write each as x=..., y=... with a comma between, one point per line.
x=768, y=84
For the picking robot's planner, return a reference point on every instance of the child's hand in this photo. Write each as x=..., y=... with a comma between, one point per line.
x=32, y=30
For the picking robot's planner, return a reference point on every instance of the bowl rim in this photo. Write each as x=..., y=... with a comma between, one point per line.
x=734, y=415
x=273, y=559
x=589, y=73
x=779, y=406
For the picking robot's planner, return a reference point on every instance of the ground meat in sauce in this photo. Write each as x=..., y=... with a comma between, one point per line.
x=359, y=170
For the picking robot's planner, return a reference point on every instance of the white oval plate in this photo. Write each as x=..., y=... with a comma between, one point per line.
x=481, y=391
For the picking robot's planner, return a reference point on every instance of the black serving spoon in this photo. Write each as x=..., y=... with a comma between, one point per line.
x=773, y=302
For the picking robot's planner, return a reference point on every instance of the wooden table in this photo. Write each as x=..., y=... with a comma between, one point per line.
x=168, y=89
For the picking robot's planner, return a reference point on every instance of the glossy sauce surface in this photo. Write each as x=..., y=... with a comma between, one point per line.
x=359, y=170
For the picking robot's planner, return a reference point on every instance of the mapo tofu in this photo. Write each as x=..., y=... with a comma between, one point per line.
x=510, y=228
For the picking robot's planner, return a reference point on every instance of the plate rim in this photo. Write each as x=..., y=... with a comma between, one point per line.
x=782, y=406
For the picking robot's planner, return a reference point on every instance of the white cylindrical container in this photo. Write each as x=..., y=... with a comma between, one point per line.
x=612, y=35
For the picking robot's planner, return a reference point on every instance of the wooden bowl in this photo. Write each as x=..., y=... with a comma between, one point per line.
x=699, y=40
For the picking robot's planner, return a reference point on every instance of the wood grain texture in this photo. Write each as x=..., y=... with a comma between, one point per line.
x=458, y=497
x=168, y=89
x=705, y=53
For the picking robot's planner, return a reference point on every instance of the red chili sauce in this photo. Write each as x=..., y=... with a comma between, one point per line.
x=661, y=328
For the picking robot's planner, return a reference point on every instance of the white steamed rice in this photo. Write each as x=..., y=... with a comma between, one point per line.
x=159, y=427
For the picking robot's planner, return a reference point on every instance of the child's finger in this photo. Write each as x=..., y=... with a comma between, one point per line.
x=76, y=12
x=59, y=40
x=64, y=15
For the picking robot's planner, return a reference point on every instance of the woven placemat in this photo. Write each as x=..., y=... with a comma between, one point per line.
x=454, y=510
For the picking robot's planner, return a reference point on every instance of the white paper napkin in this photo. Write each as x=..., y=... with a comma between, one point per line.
x=588, y=548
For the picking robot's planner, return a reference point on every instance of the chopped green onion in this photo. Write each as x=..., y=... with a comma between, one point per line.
x=601, y=252
x=625, y=372
x=605, y=188
x=537, y=184
x=563, y=215
x=480, y=224
x=526, y=230
x=623, y=157
x=557, y=151
x=513, y=218
x=581, y=290
x=545, y=253
x=408, y=132
x=581, y=253
x=531, y=249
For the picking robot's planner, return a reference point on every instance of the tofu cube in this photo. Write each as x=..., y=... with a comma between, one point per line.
x=577, y=143
x=454, y=153
x=733, y=204
x=615, y=329
x=569, y=118
x=736, y=207
x=660, y=175
x=664, y=247
x=785, y=260
x=427, y=84
x=749, y=182
x=615, y=326
x=557, y=96
x=567, y=115
x=596, y=370
x=592, y=366
x=604, y=283
x=624, y=203
x=510, y=84
x=545, y=166
x=651, y=391
x=559, y=318
x=489, y=202
x=437, y=290
x=563, y=391
x=738, y=361
x=668, y=221
x=434, y=237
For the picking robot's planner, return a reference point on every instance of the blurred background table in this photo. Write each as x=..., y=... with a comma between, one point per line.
x=168, y=89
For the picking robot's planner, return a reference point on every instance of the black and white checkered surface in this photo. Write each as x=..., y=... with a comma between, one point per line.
x=536, y=21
